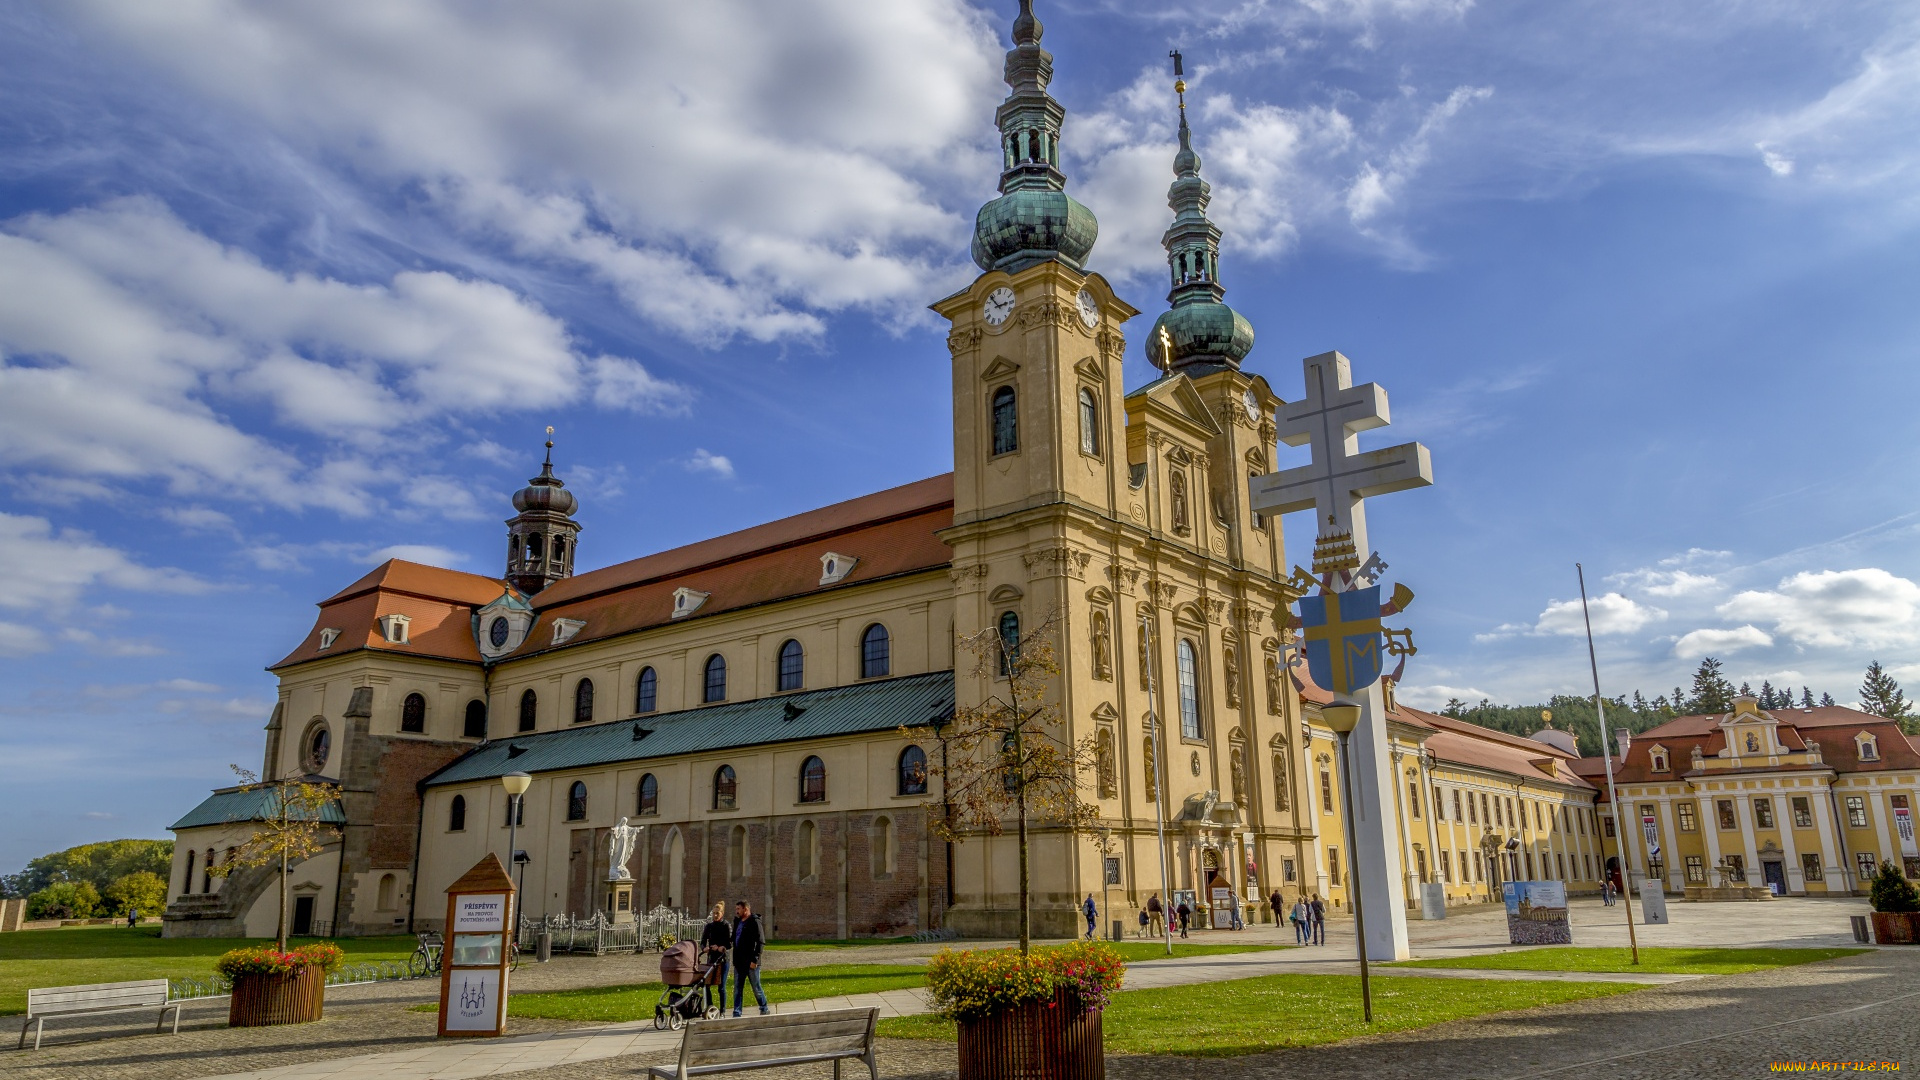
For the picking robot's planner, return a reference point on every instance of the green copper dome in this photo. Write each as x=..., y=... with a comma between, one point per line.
x=1034, y=219
x=1203, y=335
x=1199, y=333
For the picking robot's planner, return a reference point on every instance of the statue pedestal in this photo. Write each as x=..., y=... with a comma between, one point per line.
x=620, y=901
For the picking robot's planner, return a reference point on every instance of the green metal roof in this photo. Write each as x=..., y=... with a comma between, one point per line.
x=235, y=805
x=884, y=705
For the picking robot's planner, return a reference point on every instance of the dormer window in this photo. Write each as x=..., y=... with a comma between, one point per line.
x=328, y=636
x=564, y=630
x=394, y=628
x=1869, y=747
x=687, y=601
x=834, y=567
x=1660, y=761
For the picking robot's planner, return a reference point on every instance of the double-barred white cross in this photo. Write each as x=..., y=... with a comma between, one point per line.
x=1330, y=419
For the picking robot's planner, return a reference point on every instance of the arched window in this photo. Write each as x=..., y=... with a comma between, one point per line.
x=876, y=653
x=737, y=853
x=806, y=851
x=1089, y=423
x=206, y=872
x=1189, y=674
x=813, y=780
x=577, y=801
x=583, y=702
x=536, y=548
x=1177, y=496
x=1152, y=774
x=516, y=810
x=1012, y=769
x=1009, y=639
x=793, y=666
x=1006, y=421
x=883, y=857
x=384, y=895
x=913, y=771
x=725, y=788
x=457, y=814
x=648, y=802
x=529, y=710
x=319, y=746
x=645, y=691
x=186, y=883
x=413, y=713
x=476, y=720
x=559, y=551
x=716, y=685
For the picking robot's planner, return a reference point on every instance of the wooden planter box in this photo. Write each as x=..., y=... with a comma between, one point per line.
x=1042, y=1041
x=1896, y=928
x=265, y=1000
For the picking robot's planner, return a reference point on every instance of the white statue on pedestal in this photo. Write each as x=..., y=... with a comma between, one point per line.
x=620, y=841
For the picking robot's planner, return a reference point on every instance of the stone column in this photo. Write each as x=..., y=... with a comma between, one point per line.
x=1710, y=831
x=1833, y=854
x=1783, y=817
x=1377, y=860
x=1877, y=806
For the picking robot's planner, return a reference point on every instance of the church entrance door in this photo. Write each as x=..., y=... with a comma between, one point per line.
x=302, y=917
x=1776, y=877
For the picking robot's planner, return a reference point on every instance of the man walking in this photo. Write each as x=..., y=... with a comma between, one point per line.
x=1278, y=903
x=1092, y=913
x=1317, y=912
x=1606, y=892
x=1302, y=920
x=1181, y=912
x=1156, y=916
x=747, y=944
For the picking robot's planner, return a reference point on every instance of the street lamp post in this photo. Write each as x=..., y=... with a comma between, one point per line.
x=1343, y=717
x=516, y=784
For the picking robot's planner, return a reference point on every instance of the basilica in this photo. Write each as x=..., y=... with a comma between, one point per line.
x=765, y=704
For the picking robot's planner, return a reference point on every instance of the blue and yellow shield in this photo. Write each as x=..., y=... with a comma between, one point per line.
x=1343, y=638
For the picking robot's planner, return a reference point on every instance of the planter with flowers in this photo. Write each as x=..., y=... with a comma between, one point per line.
x=1896, y=907
x=1031, y=1016
x=274, y=987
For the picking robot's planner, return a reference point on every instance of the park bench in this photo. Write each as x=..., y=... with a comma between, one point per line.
x=95, y=1000
x=763, y=1042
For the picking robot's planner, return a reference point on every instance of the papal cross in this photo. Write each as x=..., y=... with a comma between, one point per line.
x=1330, y=419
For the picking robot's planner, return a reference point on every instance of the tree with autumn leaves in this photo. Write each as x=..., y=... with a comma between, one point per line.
x=1008, y=760
x=291, y=828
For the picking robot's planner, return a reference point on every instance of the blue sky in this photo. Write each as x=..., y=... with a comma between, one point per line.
x=287, y=290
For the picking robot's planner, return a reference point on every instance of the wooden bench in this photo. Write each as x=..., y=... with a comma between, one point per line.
x=763, y=1042
x=97, y=999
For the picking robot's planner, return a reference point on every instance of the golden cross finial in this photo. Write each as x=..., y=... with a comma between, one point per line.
x=1165, y=363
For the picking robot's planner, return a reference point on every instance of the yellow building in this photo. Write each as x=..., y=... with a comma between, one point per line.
x=1792, y=801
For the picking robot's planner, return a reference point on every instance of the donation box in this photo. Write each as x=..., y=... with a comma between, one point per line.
x=473, y=965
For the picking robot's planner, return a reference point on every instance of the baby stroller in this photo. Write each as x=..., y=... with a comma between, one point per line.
x=685, y=996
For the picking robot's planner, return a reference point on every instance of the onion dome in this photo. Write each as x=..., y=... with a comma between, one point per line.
x=1200, y=333
x=546, y=492
x=1034, y=219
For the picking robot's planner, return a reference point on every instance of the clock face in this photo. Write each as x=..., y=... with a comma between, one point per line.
x=1252, y=402
x=999, y=305
x=1089, y=309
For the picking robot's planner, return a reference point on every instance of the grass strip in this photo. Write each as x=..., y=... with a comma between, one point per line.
x=76, y=956
x=635, y=1001
x=1135, y=951
x=1653, y=960
x=1249, y=1016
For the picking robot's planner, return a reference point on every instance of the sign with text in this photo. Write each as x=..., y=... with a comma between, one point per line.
x=477, y=953
x=485, y=911
x=1537, y=913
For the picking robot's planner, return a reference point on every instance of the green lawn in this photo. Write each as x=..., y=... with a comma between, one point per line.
x=817, y=944
x=612, y=1004
x=97, y=954
x=1247, y=1016
x=1136, y=951
x=1654, y=961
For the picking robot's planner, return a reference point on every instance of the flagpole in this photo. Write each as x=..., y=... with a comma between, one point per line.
x=1606, y=756
x=1160, y=787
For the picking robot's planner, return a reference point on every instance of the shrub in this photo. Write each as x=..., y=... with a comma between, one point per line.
x=971, y=984
x=64, y=900
x=1892, y=891
x=142, y=891
x=262, y=960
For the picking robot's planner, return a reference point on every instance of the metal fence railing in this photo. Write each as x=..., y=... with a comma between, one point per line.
x=598, y=935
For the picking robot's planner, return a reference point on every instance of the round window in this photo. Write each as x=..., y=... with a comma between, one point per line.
x=319, y=745
x=497, y=631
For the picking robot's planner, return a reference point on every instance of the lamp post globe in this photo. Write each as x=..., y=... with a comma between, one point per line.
x=516, y=784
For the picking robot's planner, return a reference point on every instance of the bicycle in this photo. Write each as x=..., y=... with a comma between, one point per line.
x=426, y=956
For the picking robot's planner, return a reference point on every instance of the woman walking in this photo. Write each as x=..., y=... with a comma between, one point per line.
x=715, y=938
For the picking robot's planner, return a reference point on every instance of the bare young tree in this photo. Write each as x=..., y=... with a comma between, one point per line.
x=1009, y=756
x=290, y=828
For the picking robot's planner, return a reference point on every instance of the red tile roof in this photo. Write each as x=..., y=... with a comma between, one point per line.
x=1458, y=742
x=439, y=602
x=1834, y=727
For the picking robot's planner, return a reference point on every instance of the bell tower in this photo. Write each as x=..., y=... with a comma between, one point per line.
x=542, y=537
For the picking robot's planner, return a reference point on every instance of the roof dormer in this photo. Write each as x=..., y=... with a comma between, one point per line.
x=394, y=628
x=1867, y=746
x=687, y=601
x=1661, y=761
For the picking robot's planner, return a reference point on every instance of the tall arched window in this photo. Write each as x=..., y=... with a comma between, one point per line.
x=536, y=548
x=737, y=853
x=457, y=814
x=206, y=872
x=1189, y=690
x=186, y=883
x=577, y=801
x=876, y=653
x=716, y=685
x=583, y=702
x=413, y=713
x=476, y=719
x=648, y=802
x=1009, y=638
x=726, y=787
x=1006, y=421
x=913, y=772
x=793, y=666
x=529, y=710
x=1089, y=423
x=806, y=851
x=813, y=780
x=645, y=691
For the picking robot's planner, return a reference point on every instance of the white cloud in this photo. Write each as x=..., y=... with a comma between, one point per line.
x=702, y=461
x=1612, y=614
x=17, y=640
x=128, y=342
x=197, y=518
x=429, y=554
x=1863, y=608
x=68, y=562
x=1709, y=641
x=1434, y=696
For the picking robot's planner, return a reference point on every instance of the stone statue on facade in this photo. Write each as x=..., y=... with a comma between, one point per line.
x=620, y=843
